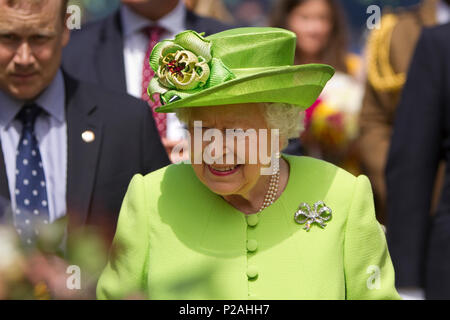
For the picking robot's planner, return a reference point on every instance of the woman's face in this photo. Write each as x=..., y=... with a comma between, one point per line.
x=311, y=22
x=229, y=177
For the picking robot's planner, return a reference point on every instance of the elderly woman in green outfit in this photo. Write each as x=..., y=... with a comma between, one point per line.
x=245, y=223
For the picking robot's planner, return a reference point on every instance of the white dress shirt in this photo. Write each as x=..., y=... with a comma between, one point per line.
x=51, y=135
x=135, y=47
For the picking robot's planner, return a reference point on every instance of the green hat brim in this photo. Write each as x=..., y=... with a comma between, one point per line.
x=300, y=85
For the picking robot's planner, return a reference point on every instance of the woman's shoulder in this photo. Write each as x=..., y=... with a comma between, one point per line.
x=179, y=169
x=322, y=177
x=312, y=181
x=174, y=176
x=317, y=167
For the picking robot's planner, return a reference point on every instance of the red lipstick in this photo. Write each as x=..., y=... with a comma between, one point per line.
x=223, y=173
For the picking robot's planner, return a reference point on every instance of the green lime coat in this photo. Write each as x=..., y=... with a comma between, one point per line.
x=177, y=240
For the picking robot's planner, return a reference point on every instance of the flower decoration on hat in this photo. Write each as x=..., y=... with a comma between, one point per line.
x=185, y=66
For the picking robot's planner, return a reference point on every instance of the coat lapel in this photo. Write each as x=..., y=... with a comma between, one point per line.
x=110, y=60
x=193, y=23
x=202, y=24
x=4, y=187
x=84, y=133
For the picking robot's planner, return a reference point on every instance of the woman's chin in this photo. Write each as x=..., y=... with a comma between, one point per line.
x=223, y=181
x=223, y=189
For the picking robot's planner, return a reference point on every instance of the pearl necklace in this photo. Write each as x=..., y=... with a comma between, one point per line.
x=272, y=192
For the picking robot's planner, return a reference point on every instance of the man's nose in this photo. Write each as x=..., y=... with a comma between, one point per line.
x=24, y=55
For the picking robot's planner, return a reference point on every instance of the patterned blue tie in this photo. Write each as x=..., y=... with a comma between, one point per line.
x=31, y=191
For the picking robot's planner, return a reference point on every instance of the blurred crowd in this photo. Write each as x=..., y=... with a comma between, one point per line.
x=350, y=125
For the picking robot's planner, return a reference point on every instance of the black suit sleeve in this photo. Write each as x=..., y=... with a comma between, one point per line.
x=413, y=160
x=154, y=153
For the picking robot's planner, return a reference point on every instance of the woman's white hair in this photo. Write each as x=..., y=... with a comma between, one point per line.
x=287, y=118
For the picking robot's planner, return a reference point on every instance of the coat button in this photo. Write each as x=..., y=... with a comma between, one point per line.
x=252, y=220
x=88, y=136
x=252, y=272
x=252, y=245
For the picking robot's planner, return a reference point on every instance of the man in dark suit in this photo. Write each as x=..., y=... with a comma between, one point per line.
x=419, y=243
x=68, y=148
x=4, y=206
x=114, y=52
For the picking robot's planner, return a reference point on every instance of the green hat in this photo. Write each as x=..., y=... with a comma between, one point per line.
x=243, y=65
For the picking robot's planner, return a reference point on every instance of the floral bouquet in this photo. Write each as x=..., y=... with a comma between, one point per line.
x=47, y=272
x=332, y=123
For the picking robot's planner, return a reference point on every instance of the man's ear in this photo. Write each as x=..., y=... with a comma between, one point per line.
x=65, y=32
x=65, y=37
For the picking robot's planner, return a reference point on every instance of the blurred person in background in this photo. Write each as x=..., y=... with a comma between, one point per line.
x=331, y=123
x=114, y=52
x=419, y=242
x=210, y=8
x=68, y=148
x=389, y=52
x=251, y=12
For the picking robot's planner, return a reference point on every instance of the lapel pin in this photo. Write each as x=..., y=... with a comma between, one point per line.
x=308, y=216
x=88, y=136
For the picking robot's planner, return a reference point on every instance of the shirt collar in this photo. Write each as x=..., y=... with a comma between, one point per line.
x=443, y=12
x=174, y=22
x=52, y=100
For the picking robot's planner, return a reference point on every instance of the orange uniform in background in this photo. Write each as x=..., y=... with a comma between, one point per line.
x=390, y=50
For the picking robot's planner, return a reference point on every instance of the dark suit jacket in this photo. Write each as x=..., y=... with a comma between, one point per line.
x=95, y=53
x=98, y=173
x=5, y=205
x=420, y=243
